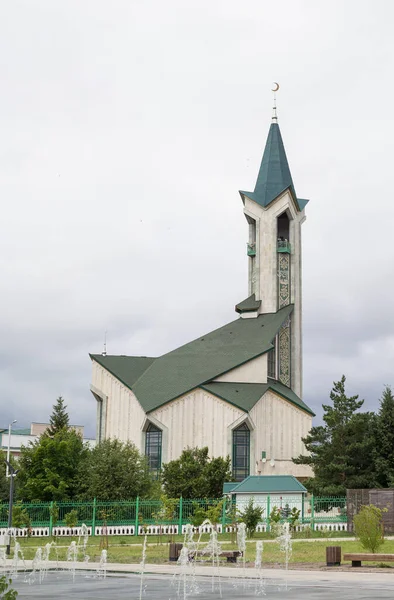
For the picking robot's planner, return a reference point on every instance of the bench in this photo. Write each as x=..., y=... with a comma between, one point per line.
x=230, y=555
x=357, y=558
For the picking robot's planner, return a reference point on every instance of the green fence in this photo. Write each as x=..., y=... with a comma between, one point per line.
x=312, y=510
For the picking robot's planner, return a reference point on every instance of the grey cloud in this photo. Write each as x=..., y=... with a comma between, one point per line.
x=125, y=135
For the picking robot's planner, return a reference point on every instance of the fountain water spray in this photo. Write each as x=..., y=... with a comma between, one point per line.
x=36, y=566
x=183, y=561
x=192, y=551
x=285, y=546
x=72, y=557
x=18, y=556
x=102, y=568
x=3, y=558
x=45, y=560
x=142, y=565
x=84, y=534
x=260, y=586
x=241, y=543
x=213, y=549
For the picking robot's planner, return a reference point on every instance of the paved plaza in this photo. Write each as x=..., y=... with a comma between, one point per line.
x=297, y=585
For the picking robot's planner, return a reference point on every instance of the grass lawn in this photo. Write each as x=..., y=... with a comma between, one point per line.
x=129, y=549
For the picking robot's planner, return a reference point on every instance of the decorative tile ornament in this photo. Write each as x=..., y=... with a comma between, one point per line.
x=284, y=279
x=285, y=353
x=254, y=279
x=284, y=333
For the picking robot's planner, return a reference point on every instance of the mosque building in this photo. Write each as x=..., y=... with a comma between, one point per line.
x=238, y=389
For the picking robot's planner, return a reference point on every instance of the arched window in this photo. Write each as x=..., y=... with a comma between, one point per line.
x=241, y=452
x=153, y=438
x=271, y=361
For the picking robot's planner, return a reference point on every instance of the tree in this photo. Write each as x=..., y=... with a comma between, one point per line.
x=213, y=513
x=54, y=516
x=251, y=516
x=20, y=517
x=4, y=484
x=71, y=519
x=114, y=470
x=384, y=447
x=341, y=451
x=195, y=475
x=59, y=418
x=48, y=467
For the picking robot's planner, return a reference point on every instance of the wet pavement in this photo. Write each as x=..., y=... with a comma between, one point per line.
x=86, y=585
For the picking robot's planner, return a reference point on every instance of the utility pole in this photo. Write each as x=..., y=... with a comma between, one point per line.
x=12, y=472
x=9, y=446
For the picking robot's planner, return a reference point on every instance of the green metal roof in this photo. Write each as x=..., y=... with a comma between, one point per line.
x=242, y=395
x=268, y=484
x=274, y=175
x=228, y=486
x=245, y=395
x=197, y=362
x=248, y=305
x=15, y=431
x=288, y=394
x=125, y=368
x=26, y=431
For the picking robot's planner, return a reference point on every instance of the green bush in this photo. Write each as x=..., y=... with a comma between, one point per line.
x=251, y=516
x=54, y=514
x=20, y=517
x=294, y=518
x=275, y=515
x=213, y=512
x=275, y=519
x=6, y=592
x=368, y=527
x=71, y=518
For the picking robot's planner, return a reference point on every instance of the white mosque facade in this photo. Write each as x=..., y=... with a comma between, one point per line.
x=238, y=389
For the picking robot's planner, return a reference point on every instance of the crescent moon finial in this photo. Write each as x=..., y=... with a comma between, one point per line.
x=274, y=115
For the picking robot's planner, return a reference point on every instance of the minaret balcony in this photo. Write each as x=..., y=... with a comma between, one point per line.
x=251, y=249
x=284, y=246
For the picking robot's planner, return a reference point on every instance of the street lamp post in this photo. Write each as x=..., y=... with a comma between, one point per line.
x=9, y=446
x=13, y=472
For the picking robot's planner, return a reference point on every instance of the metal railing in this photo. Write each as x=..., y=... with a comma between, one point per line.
x=251, y=249
x=139, y=512
x=284, y=246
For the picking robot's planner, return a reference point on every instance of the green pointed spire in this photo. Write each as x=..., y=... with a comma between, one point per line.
x=274, y=175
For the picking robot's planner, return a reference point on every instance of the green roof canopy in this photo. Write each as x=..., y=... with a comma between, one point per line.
x=228, y=486
x=246, y=395
x=165, y=378
x=125, y=368
x=274, y=175
x=267, y=484
x=248, y=305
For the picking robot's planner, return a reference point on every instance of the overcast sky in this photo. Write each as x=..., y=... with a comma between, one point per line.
x=127, y=129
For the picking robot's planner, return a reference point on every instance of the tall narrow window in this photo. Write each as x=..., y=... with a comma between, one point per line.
x=153, y=438
x=272, y=361
x=241, y=452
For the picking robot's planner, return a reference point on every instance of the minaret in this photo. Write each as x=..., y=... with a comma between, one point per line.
x=275, y=215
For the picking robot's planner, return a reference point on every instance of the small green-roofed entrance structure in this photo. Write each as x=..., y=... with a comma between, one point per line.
x=280, y=493
x=267, y=484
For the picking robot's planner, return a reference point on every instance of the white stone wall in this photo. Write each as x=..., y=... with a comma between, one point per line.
x=267, y=269
x=279, y=428
x=201, y=419
x=254, y=371
x=124, y=416
x=278, y=500
x=197, y=419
